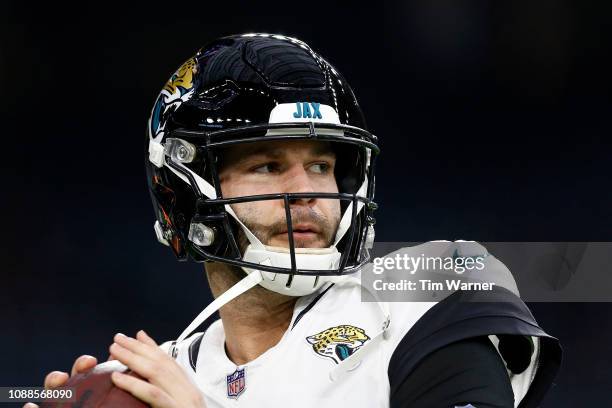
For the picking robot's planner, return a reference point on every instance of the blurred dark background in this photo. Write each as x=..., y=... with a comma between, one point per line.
x=493, y=118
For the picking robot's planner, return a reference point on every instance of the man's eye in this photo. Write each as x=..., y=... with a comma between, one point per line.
x=320, y=168
x=266, y=168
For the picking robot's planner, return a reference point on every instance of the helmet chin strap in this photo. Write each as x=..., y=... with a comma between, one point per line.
x=238, y=289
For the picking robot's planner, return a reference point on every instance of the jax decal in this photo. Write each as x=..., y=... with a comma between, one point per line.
x=339, y=342
x=302, y=112
x=307, y=110
x=176, y=91
x=236, y=383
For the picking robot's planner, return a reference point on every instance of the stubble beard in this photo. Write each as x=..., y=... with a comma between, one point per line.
x=266, y=232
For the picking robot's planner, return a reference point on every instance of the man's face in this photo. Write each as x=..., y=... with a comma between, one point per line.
x=299, y=166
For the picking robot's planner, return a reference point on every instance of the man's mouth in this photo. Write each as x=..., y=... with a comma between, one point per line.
x=306, y=227
x=302, y=232
x=303, y=228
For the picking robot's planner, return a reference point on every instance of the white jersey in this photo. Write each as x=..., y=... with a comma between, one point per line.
x=305, y=368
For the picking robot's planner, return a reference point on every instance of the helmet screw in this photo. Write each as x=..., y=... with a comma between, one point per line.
x=182, y=152
x=201, y=234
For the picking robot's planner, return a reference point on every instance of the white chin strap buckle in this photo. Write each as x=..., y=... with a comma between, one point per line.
x=321, y=259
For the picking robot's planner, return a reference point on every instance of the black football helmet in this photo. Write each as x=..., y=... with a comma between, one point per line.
x=249, y=88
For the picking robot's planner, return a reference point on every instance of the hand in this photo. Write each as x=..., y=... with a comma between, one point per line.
x=56, y=379
x=168, y=385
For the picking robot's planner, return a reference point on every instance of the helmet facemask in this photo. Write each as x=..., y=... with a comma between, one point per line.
x=213, y=228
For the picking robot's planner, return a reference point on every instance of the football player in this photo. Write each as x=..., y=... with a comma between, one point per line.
x=260, y=166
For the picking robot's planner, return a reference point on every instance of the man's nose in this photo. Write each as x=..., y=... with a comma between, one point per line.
x=298, y=181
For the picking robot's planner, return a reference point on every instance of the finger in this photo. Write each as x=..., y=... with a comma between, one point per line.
x=143, y=390
x=164, y=373
x=136, y=362
x=55, y=379
x=138, y=347
x=145, y=338
x=30, y=405
x=83, y=364
x=110, y=357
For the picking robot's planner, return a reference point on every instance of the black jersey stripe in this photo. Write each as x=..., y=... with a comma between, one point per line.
x=310, y=305
x=194, y=348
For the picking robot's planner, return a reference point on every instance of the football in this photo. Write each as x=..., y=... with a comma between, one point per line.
x=96, y=389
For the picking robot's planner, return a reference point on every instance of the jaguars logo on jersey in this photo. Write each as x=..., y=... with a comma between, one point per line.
x=339, y=342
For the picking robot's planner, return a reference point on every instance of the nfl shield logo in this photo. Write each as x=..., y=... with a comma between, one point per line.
x=235, y=383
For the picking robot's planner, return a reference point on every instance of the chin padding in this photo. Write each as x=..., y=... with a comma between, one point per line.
x=305, y=258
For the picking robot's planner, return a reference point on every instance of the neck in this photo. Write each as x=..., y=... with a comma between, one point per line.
x=254, y=321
